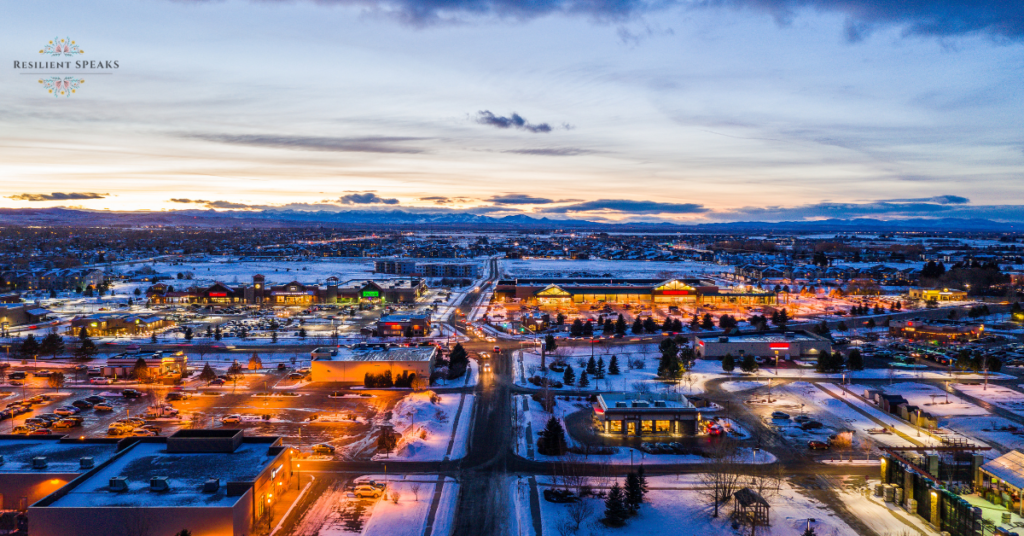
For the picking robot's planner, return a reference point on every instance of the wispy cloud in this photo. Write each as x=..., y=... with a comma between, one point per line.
x=57, y=196
x=226, y=205
x=944, y=206
x=519, y=199
x=365, y=144
x=553, y=151
x=367, y=198
x=485, y=117
x=630, y=206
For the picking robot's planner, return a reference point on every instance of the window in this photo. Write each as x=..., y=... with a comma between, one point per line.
x=261, y=505
x=662, y=427
x=616, y=427
x=646, y=426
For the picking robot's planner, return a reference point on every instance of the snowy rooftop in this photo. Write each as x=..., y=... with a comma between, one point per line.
x=60, y=457
x=646, y=401
x=186, y=472
x=1008, y=467
x=418, y=353
x=764, y=337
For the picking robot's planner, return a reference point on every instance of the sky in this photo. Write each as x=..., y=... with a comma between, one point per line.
x=605, y=110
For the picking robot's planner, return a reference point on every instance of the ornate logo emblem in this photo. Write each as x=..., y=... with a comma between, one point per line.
x=61, y=86
x=64, y=46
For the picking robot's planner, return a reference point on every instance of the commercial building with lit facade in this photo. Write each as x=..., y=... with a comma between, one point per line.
x=799, y=344
x=33, y=467
x=261, y=293
x=104, y=324
x=939, y=331
x=939, y=295
x=403, y=326
x=210, y=482
x=648, y=414
x=549, y=291
x=353, y=364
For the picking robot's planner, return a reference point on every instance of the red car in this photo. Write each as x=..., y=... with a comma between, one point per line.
x=40, y=431
x=816, y=445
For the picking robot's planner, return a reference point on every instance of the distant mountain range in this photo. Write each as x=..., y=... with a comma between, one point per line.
x=454, y=219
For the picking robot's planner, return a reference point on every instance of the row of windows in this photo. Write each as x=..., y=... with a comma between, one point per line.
x=645, y=426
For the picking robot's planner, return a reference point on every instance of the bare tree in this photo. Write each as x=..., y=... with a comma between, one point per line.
x=765, y=479
x=721, y=477
x=641, y=387
x=578, y=513
x=415, y=491
x=572, y=475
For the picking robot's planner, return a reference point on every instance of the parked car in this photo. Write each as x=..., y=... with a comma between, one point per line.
x=95, y=399
x=218, y=381
x=367, y=491
x=231, y=419
x=41, y=431
x=42, y=373
x=323, y=449
x=65, y=423
x=38, y=422
x=130, y=393
x=780, y=415
x=66, y=410
x=801, y=418
x=22, y=430
x=82, y=404
x=817, y=445
x=811, y=425
x=103, y=406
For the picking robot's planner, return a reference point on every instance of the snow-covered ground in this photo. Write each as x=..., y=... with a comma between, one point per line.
x=607, y=268
x=714, y=366
x=675, y=501
x=933, y=400
x=998, y=395
x=644, y=357
x=426, y=428
x=537, y=418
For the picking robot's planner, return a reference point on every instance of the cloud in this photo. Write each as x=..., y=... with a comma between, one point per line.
x=368, y=198
x=219, y=204
x=443, y=200
x=944, y=206
x=365, y=144
x=57, y=196
x=519, y=199
x=1000, y=19
x=630, y=206
x=939, y=199
x=554, y=151
x=485, y=117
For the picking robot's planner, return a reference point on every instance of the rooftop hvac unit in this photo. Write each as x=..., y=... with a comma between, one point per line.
x=39, y=462
x=119, y=483
x=159, y=483
x=211, y=486
x=86, y=462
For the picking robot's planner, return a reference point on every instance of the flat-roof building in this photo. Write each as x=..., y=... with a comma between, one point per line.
x=936, y=330
x=353, y=364
x=295, y=293
x=565, y=291
x=210, y=482
x=32, y=468
x=648, y=414
x=403, y=326
x=800, y=344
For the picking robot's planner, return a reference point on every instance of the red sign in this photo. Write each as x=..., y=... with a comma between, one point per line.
x=218, y=294
x=675, y=292
x=701, y=342
x=778, y=345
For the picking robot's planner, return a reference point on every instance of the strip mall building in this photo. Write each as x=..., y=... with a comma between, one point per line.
x=395, y=290
x=672, y=291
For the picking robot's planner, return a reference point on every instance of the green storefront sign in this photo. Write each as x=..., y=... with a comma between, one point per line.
x=371, y=293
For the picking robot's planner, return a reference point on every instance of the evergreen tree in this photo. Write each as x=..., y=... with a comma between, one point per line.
x=600, y=371
x=668, y=366
x=707, y=323
x=620, y=326
x=86, y=350
x=638, y=326
x=609, y=327
x=569, y=377
x=29, y=348
x=728, y=363
x=552, y=439
x=273, y=337
x=642, y=477
x=677, y=325
x=748, y=364
x=83, y=334
x=207, y=375
x=588, y=329
x=615, y=512
x=694, y=322
x=613, y=366
x=52, y=344
x=634, y=495
x=854, y=361
x=667, y=324
x=584, y=381
x=549, y=343
x=576, y=330
x=592, y=366
x=560, y=319
x=141, y=370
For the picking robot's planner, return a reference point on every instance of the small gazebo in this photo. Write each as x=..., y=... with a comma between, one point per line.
x=752, y=506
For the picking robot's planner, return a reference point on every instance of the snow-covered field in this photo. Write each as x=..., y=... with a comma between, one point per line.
x=998, y=395
x=934, y=400
x=426, y=428
x=233, y=270
x=674, y=501
x=645, y=355
x=714, y=366
x=607, y=268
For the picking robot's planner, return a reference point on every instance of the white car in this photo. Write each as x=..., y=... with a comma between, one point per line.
x=231, y=419
x=368, y=491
